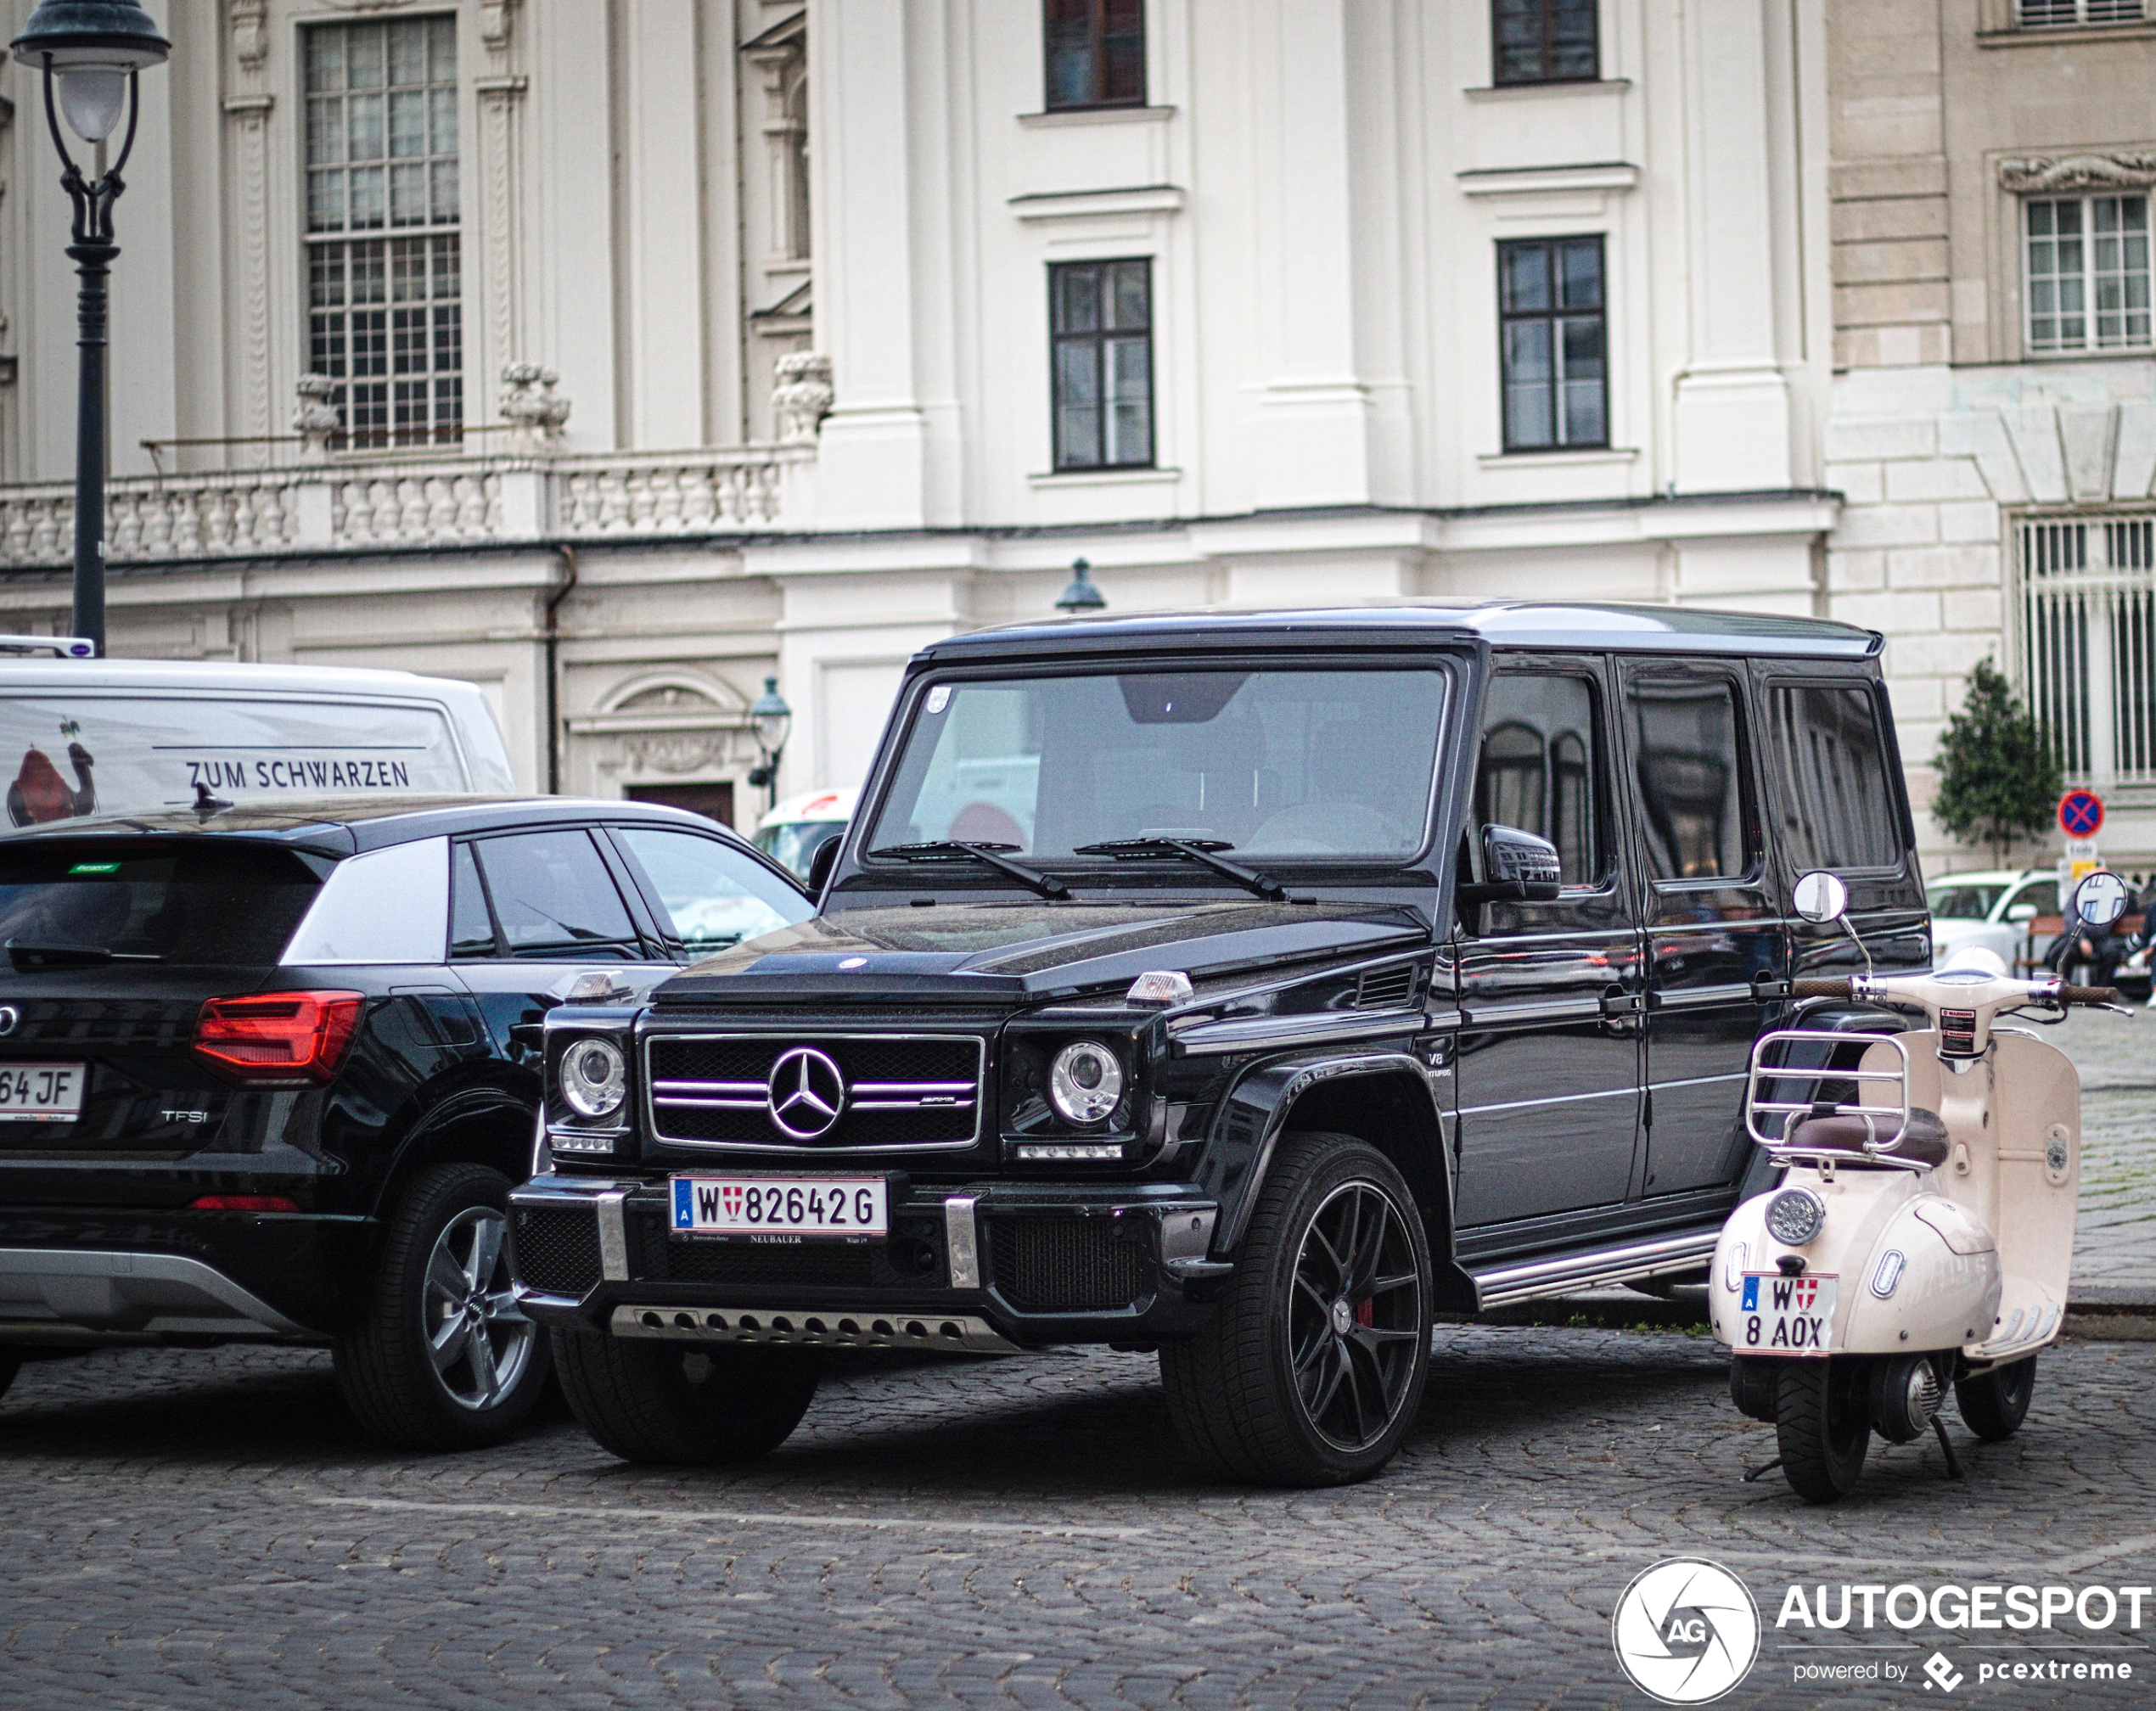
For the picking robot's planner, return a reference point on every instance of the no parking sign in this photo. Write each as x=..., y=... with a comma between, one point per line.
x=2081, y=813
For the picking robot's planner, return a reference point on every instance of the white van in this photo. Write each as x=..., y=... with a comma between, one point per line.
x=84, y=736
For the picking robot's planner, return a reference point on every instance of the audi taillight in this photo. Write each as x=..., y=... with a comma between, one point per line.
x=279, y=1039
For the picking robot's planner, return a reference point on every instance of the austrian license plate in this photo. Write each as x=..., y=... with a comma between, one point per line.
x=1784, y=1316
x=41, y=1092
x=781, y=1206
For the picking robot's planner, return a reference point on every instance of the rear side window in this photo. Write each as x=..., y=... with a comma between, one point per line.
x=553, y=895
x=712, y=897
x=1828, y=760
x=211, y=904
x=1541, y=766
x=1685, y=738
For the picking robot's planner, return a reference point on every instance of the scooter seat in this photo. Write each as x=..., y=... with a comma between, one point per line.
x=1922, y=1141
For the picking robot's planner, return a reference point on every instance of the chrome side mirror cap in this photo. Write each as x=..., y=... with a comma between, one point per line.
x=2101, y=899
x=1821, y=897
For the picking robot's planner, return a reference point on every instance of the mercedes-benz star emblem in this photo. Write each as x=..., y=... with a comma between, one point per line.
x=10, y=1018
x=806, y=1092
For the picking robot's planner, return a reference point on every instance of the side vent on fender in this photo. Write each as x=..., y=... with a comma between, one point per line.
x=1386, y=989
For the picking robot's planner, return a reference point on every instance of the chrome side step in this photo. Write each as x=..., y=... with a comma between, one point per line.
x=846, y=1328
x=1569, y=1271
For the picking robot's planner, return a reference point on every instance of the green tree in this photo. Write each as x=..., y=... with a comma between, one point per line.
x=1998, y=777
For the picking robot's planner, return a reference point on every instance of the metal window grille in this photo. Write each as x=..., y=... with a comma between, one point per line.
x=2043, y=15
x=1543, y=41
x=385, y=313
x=2088, y=612
x=1553, y=343
x=2087, y=272
x=1100, y=329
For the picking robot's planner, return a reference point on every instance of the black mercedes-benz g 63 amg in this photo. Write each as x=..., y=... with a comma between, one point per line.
x=1246, y=986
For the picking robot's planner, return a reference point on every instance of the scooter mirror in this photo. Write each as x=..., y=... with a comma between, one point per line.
x=2101, y=898
x=1821, y=897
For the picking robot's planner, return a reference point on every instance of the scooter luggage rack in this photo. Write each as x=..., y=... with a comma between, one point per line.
x=1893, y=1119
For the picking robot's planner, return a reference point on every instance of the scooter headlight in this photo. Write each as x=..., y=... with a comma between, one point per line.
x=1793, y=1217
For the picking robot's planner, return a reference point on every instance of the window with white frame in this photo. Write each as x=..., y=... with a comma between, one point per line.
x=2086, y=611
x=2051, y=14
x=384, y=280
x=2086, y=261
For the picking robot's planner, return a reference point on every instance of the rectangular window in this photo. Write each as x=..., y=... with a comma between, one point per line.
x=2044, y=15
x=1542, y=40
x=385, y=275
x=1684, y=747
x=554, y=897
x=1830, y=768
x=1540, y=765
x=2086, y=611
x=1100, y=315
x=2087, y=261
x=1551, y=340
x=1095, y=53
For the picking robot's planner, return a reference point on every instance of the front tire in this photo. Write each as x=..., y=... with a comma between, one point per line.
x=1312, y=1371
x=445, y=1359
x=10, y=1366
x=1822, y=1426
x=1994, y=1404
x=679, y=1404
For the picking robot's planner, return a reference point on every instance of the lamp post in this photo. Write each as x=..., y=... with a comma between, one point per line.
x=771, y=718
x=1080, y=596
x=91, y=52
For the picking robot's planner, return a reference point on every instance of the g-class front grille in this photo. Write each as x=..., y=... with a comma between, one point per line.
x=1064, y=1264
x=555, y=1250
x=816, y=1092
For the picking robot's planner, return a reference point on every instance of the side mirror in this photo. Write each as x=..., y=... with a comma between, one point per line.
x=821, y=864
x=1821, y=897
x=2021, y=912
x=1518, y=867
x=2101, y=899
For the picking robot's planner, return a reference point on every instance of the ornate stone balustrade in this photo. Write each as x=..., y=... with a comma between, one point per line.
x=419, y=500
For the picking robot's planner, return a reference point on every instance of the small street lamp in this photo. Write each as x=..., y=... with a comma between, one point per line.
x=90, y=52
x=771, y=718
x=1080, y=596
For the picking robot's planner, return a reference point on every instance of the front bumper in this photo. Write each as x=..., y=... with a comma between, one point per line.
x=973, y=1266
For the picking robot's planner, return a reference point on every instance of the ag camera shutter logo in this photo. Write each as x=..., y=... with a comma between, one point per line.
x=1686, y=1631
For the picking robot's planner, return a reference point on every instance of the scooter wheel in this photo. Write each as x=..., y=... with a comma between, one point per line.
x=1822, y=1426
x=1994, y=1404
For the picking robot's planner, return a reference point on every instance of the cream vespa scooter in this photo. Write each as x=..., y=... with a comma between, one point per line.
x=1923, y=1232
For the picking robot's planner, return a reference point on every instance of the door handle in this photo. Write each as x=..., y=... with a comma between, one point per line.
x=1616, y=1002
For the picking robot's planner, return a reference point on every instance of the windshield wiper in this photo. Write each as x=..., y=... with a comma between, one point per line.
x=990, y=854
x=26, y=953
x=1204, y=850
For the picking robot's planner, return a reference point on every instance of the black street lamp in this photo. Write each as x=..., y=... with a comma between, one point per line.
x=771, y=718
x=90, y=52
x=1080, y=596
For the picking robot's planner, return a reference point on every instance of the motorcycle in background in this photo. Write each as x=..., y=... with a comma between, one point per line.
x=1921, y=1237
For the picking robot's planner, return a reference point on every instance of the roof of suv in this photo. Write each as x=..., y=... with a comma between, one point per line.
x=1503, y=624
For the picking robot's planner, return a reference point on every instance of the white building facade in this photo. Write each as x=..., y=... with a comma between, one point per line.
x=616, y=357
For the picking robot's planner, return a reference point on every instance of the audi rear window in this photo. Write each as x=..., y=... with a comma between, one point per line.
x=209, y=904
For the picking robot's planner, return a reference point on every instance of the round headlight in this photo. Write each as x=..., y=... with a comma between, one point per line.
x=1086, y=1082
x=593, y=1078
x=1793, y=1217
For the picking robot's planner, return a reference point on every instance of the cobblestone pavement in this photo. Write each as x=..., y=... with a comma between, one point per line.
x=211, y=1530
x=2114, y=1254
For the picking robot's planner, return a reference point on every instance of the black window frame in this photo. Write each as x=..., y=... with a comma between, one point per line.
x=1098, y=339
x=1777, y=808
x=1555, y=313
x=1546, y=19
x=1097, y=51
x=1743, y=737
x=1601, y=767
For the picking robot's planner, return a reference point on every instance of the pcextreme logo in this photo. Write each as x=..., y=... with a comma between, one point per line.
x=1686, y=1631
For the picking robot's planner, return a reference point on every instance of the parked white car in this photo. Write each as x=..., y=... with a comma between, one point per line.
x=1991, y=908
x=790, y=833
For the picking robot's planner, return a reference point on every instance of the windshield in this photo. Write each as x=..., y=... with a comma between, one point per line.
x=1334, y=763
x=1964, y=902
x=207, y=903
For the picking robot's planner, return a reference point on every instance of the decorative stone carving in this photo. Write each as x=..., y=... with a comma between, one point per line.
x=531, y=406
x=2040, y=172
x=317, y=419
x=250, y=33
x=496, y=21
x=250, y=114
x=802, y=398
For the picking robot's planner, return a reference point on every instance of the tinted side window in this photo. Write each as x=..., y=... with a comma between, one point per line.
x=713, y=896
x=1541, y=766
x=553, y=895
x=1691, y=780
x=1828, y=762
x=471, y=928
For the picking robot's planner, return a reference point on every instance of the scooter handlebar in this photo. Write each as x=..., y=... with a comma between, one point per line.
x=2090, y=995
x=1820, y=988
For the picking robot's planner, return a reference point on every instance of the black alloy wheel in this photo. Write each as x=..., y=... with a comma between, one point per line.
x=1994, y=1404
x=1312, y=1370
x=1823, y=1425
x=10, y=1366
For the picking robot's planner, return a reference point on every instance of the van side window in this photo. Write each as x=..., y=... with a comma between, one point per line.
x=1828, y=762
x=1690, y=778
x=1542, y=765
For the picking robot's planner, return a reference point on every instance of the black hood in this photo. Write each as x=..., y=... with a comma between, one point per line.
x=1014, y=952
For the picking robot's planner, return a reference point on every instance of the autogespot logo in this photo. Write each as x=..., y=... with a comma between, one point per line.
x=1686, y=1631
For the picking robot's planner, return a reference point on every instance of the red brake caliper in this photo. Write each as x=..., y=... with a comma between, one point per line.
x=1366, y=1313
